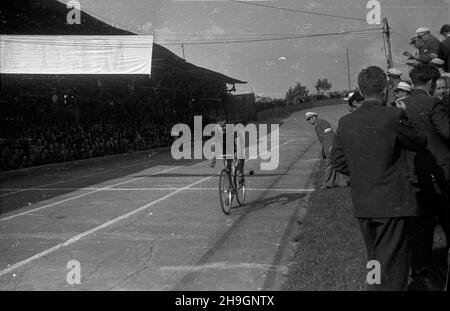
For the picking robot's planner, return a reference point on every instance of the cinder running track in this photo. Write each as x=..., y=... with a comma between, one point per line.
x=137, y=222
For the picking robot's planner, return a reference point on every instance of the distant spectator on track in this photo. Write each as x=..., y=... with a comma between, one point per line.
x=325, y=134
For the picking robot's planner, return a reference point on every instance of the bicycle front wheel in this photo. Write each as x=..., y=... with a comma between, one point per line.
x=225, y=192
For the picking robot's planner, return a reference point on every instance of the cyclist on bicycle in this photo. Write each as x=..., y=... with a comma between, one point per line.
x=238, y=152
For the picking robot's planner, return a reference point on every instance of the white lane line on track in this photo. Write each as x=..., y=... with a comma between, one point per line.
x=83, y=194
x=70, y=179
x=173, y=188
x=95, y=229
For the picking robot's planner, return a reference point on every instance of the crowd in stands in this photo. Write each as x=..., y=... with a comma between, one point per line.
x=38, y=131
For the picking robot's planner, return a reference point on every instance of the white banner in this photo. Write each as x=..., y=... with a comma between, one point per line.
x=23, y=54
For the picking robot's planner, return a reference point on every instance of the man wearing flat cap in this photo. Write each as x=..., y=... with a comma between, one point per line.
x=445, y=47
x=325, y=134
x=429, y=48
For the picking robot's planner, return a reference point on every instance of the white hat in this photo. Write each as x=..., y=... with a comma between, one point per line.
x=310, y=114
x=422, y=30
x=394, y=72
x=348, y=97
x=403, y=86
x=437, y=62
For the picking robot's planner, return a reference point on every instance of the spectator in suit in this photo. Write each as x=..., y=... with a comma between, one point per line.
x=325, y=134
x=428, y=46
x=444, y=51
x=370, y=147
x=431, y=168
x=402, y=91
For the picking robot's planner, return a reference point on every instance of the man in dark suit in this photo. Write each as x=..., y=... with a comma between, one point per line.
x=444, y=52
x=370, y=146
x=431, y=167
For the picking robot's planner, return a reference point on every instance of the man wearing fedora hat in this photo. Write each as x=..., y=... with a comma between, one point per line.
x=402, y=91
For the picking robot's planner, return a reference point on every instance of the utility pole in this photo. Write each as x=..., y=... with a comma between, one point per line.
x=387, y=43
x=182, y=48
x=348, y=71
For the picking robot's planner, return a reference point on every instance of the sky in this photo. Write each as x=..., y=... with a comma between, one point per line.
x=271, y=67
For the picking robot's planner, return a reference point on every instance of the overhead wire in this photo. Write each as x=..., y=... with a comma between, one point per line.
x=268, y=39
x=297, y=10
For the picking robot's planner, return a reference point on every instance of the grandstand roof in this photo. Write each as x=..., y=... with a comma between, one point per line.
x=48, y=17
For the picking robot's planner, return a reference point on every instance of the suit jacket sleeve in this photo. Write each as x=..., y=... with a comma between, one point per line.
x=432, y=48
x=440, y=120
x=409, y=135
x=337, y=156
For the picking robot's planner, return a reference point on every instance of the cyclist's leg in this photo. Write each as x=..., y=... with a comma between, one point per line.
x=229, y=164
x=240, y=168
x=229, y=169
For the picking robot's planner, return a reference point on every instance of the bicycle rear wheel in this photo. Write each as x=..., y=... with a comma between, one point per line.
x=240, y=188
x=225, y=191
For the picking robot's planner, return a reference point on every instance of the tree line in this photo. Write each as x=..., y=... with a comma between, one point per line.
x=299, y=93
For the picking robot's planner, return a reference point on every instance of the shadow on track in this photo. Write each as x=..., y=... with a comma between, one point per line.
x=281, y=199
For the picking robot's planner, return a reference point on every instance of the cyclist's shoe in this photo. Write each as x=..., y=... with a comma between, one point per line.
x=213, y=163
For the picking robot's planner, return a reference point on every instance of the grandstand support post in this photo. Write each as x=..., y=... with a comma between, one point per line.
x=387, y=43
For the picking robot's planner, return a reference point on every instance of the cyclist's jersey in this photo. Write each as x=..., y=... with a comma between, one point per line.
x=237, y=141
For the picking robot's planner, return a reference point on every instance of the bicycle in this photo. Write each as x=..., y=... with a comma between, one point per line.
x=229, y=185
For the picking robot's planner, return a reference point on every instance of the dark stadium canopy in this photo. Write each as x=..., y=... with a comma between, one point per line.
x=48, y=17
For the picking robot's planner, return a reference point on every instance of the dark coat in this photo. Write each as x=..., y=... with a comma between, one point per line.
x=370, y=146
x=444, y=53
x=431, y=49
x=429, y=114
x=325, y=137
